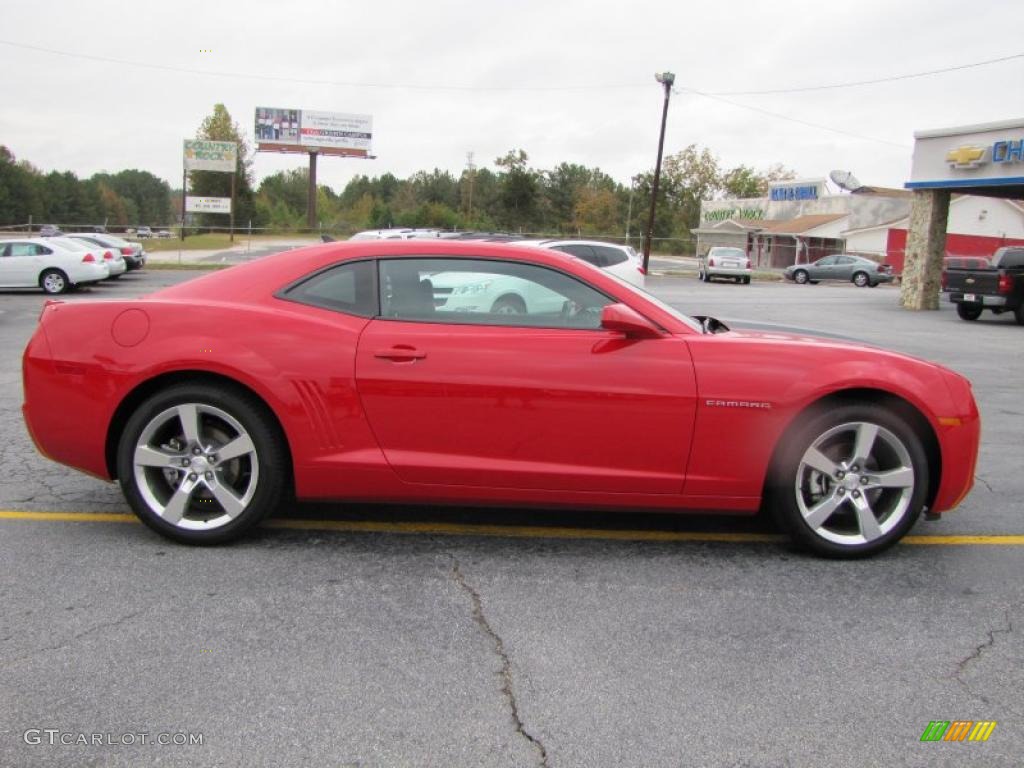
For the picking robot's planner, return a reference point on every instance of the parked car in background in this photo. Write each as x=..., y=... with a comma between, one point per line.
x=722, y=261
x=620, y=260
x=164, y=233
x=144, y=232
x=112, y=257
x=133, y=254
x=50, y=230
x=841, y=266
x=999, y=287
x=48, y=264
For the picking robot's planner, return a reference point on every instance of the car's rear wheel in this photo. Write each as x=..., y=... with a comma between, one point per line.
x=861, y=279
x=1018, y=314
x=968, y=311
x=201, y=464
x=746, y=281
x=53, y=281
x=851, y=481
x=800, y=276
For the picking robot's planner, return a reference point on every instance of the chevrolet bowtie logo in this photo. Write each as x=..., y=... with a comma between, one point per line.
x=969, y=156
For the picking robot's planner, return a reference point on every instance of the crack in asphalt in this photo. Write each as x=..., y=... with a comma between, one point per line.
x=984, y=482
x=78, y=636
x=976, y=654
x=507, y=688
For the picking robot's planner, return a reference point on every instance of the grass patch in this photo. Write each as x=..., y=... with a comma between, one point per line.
x=186, y=266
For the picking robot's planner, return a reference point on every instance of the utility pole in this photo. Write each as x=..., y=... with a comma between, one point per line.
x=666, y=79
x=471, y=169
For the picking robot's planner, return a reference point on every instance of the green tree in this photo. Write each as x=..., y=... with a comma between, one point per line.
x=519, y=189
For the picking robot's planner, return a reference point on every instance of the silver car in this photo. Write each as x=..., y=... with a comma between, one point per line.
x=841, y=266
x=723, y=261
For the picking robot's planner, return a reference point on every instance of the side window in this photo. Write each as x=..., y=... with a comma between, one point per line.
x=486, y=292
x=828, y=261
x=22, y=249
x=584, y=252
x=845, y=260
x=42, y=250
x=348, y=288
x=610, y=256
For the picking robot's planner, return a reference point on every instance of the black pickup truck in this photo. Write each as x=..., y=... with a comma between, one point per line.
x=999, y=288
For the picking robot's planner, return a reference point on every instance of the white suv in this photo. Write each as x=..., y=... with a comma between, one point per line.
x=621, y=260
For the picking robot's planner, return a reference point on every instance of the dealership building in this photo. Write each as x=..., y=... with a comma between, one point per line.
x=975, y=173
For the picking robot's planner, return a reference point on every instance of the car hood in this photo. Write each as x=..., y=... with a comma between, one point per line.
x=755, y=329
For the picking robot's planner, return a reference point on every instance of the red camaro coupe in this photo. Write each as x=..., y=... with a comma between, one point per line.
x=480, y=373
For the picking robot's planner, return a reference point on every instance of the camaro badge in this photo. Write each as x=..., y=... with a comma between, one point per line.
x=737, y=404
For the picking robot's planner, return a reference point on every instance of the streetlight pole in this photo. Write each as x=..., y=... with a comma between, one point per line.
x=666, y=79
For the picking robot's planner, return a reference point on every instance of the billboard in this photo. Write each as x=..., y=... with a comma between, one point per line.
x=201, y=155
x=207, y=204
x=304, y=130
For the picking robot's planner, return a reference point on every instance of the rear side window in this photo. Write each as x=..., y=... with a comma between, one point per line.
x=610, y=256
x=584, y=252
x=349, y=288
x=1013, y=257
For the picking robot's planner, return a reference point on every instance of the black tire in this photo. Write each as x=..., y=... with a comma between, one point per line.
x=54, y=281
x=509, y=305
x=840, y=533
x=860, y=279
x=746, y=281
x=264, y=471
x=1018, y=314
x=800, y=277
x=969, y=311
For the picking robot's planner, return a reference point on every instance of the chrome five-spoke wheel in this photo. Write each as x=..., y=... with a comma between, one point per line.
x=202, y=463
x=855, y=483
x=196, y=466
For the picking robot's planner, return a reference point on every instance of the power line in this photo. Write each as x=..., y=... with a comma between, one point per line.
x=780, y=116
x=310, y=81
x=859, y=83
x=428, y=87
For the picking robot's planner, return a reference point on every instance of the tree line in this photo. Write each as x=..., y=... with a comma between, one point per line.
x=513, y=196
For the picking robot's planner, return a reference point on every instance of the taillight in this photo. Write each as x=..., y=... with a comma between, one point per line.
x=1006, y=283
x=108, y=255
x=711, y=262
x=88, y=259
x=640, y=269
x=748, y=263
x=126, y=251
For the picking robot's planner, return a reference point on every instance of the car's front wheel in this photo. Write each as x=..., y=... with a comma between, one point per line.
x=851, y=481
x=800, y=276
x=201, y=464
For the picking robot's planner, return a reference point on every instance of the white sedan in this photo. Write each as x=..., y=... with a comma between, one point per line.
x=48, y=264
x=112, y=257
x=723, y=261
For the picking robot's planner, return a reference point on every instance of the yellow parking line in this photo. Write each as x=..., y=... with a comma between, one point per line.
x=514, y=531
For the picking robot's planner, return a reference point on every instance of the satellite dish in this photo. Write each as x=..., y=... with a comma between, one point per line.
x=846, y=180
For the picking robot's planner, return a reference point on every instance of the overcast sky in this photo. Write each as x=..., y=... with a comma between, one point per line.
x=565, y=81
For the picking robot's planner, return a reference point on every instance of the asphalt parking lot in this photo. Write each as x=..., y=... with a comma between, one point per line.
x=390, y=637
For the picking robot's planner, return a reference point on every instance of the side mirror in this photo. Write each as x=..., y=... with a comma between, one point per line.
x=624, y=319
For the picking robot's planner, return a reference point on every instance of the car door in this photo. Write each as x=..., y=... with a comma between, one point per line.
x=536, y=400
x=18, y=265
x=845, y=267
x=823, y=269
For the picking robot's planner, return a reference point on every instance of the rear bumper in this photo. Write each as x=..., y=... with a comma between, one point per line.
x=984, y=300
x=728, y=272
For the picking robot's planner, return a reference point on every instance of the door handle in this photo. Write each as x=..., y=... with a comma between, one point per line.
x=400, y=354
